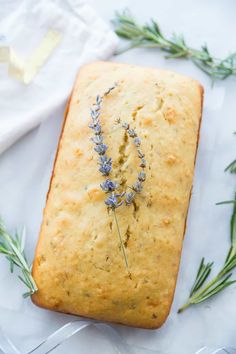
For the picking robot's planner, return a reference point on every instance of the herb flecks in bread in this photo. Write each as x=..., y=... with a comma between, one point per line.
x=116, y=198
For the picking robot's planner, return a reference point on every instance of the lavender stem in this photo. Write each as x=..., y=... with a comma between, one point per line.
x=121, y=242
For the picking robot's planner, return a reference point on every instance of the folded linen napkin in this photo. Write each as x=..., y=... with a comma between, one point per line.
x=84, y=37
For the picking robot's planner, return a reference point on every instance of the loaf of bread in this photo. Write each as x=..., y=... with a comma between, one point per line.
x=79, y=266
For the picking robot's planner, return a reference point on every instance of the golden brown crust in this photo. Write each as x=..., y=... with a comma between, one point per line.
x=83, y=273
x=190, y=194
x=34, y=298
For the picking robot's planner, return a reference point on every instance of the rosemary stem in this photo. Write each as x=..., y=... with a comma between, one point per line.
x=198, y=294
x=121, y=242
x=34, y=286
x=185, y=306
x=203, y=290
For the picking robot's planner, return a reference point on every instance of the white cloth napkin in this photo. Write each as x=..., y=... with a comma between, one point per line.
x=85, y=38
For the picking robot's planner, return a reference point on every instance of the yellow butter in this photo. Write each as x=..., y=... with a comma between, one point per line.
x=25, y=70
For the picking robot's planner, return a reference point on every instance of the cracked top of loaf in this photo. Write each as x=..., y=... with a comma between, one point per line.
x=78, y=266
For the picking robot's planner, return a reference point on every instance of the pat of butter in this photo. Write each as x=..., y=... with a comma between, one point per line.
x=26, y=69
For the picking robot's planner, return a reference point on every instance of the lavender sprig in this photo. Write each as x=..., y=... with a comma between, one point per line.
x=115, y=199
x=105, y=164
x=109, y=186
x=137, y=187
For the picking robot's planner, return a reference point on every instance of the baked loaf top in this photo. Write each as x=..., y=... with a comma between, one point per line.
x=78, y=266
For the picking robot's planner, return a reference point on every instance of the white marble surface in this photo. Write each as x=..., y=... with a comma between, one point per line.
x=24, y=176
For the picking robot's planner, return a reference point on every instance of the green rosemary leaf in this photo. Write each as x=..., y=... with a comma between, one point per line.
x=233, y=224
x=202, y=274
x=11, y=264
x=24, y=280
x=21, y=239
x=226, y=202
x=4, y=251
x=230, y=264
x=229, y=254
x=200, y=267
x=174, y=56
x=150, y=36
x=217, y=289
x=13, y=249
x=231, y=167
x=27, y=294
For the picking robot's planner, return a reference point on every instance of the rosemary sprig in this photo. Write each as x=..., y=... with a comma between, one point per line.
x=13, y=248
x=150, y=36
x=201, y=291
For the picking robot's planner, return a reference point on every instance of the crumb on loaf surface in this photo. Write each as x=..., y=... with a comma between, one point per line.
x=78, y=265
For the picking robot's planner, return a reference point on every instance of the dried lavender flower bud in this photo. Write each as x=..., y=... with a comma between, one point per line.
x=140, y=154
x=105, y=159
x=132, y=133
x=91, y=126
x=117, y=121
x=94, y=114
x=108, y=186
x=97, y=129
x=105, y=170
x=142, y=176
x=105, y=165
x=125, y=126
x=137, y=187
x=98, y=100
x=110, y=89
x=97, y=139
x=113, y=201
x=129, y=197
x=97, y=109
x=137, y=141
x=143, y=163
x=101, y=149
